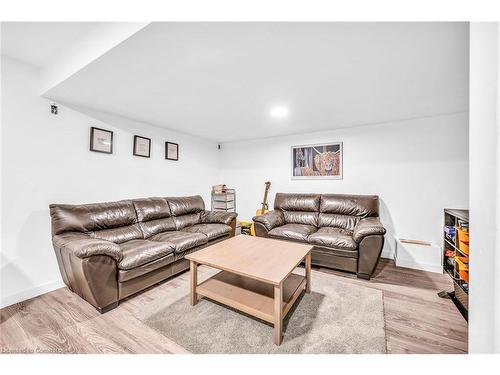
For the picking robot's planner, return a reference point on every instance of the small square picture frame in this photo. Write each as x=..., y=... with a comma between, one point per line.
x=101, y=140
x=171, y=151
x=142, y=146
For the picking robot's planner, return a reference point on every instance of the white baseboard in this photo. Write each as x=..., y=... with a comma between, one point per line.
x=411, y=264
x=387, y=254
x=30, y=293
x=419, y=266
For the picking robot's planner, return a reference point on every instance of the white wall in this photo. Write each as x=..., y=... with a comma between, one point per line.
x=417, y=167
x=45, y=159
x=101, y=38
x=484, y=312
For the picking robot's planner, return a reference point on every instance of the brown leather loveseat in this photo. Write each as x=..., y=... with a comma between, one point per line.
x=109, y=251
x=344, y=229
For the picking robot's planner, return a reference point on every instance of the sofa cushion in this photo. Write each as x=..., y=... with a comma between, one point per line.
x=151, y=208
x=217, y=217
x=187, y=220
x=154, y=216
x=351, y=205
x=139, y=252
x=212, y=231
x=186, y=205
x=118, y=235
x=301, y=217
x=297, y=202
x=91, y=217
x=298, y=232
x=150, y=228
x=338, y=221
x=333, y=237
x=181, y=240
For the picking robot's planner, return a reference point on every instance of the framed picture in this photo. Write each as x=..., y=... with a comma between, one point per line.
x=142, y=146
x=171, y=151
x=318, y=161
x=101, y=140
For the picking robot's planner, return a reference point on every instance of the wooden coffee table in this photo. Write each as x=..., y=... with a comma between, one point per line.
x=256, y=276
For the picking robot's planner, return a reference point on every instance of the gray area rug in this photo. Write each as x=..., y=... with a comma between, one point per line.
x=336, y=317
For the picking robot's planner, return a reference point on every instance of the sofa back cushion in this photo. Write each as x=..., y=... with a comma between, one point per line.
x=154, y=216
x=345, y=211
x=326, y=210
x=297, y=202
x=186, y=211
x=128, y=219
x=111, y=221
x=298, y=208
x=353, y=205
x=301, y=217
x=338, y=221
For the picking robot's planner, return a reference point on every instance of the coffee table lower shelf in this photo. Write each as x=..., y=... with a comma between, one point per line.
x=251, y=296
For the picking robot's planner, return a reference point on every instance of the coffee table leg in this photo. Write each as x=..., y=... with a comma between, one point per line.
x=308, y=273
x=278, y=313
x=194, y=282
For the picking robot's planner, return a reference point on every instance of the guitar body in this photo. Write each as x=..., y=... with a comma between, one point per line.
x=260, y=212
x=263, y=209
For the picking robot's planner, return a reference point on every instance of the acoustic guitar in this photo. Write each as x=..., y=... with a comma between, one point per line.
x=263, y=209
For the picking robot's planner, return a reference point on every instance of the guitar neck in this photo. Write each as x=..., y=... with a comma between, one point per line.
x=265, y=206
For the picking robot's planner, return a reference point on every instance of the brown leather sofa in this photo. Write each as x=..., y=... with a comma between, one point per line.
x=109, y=251
x=344, y=229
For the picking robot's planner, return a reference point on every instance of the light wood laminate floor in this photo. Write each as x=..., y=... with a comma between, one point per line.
x=417, y=320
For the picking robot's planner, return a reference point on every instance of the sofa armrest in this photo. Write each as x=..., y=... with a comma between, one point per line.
x=83, y=246
x=368, y=227
x=271, y=219
x=217, y=217
x=370, y=249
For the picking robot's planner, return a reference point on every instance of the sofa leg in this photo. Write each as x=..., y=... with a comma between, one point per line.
x=105, y=309
x=363, y=276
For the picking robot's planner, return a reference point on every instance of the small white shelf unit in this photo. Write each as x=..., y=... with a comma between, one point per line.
x=225, y=201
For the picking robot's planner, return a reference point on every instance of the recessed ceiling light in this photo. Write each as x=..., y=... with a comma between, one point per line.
x=279, y=112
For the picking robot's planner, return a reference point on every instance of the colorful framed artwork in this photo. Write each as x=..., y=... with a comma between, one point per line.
x=317, y=161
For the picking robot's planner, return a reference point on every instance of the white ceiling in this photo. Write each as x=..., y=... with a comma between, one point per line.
x=37, y=43
x=219, y=80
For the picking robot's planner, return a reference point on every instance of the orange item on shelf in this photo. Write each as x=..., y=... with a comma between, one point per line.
x=463, y=247
x=463, y=240
x=463, y=235
x=463, y=268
